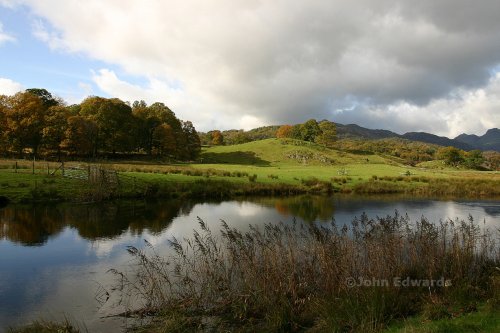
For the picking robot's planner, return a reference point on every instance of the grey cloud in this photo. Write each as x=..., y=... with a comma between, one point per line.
x=287, y=61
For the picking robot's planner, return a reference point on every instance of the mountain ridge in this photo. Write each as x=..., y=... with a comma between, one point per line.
x=488, y=141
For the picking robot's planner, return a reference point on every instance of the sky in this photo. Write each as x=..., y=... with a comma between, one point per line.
x=400, y=65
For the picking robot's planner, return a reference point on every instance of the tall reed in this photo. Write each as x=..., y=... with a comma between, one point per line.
x=292, y=277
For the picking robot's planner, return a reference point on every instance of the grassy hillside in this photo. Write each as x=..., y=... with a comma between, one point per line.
x=259, y=167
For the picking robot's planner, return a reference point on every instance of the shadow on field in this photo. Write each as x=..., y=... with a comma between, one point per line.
x=236, y=157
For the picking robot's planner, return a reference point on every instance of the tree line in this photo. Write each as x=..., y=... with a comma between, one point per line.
x=36, y=122
x=323, y=132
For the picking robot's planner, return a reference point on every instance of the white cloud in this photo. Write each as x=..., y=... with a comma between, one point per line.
x=9, y=87
x=9, y=3
x=285, y=61
x=4, y=37
x=462, y=111
x=176, y=98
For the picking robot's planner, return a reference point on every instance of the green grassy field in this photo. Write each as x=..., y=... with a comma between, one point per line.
x=482, y=321
x=271, y=163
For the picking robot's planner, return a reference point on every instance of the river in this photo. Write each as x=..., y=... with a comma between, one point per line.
x=54, y=259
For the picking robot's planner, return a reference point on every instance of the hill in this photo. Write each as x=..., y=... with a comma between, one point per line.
x=356, y=131
x=437, y=140
x=489, y=141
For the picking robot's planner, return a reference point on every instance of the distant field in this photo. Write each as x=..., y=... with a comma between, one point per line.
x=270, y=162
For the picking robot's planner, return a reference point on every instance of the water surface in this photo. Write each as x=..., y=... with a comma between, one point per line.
x=53, y=259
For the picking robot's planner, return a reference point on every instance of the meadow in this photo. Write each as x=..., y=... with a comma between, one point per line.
x=271, y=166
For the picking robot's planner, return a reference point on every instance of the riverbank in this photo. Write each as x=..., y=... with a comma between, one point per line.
x=187, y=182
x=484, y=320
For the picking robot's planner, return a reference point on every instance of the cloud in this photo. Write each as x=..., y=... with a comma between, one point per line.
x=160, y=91
x=4, y=37
x=462, y=111
x=287, y=61
x=9, y=87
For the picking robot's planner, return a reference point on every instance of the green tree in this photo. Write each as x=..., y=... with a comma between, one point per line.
x=47, y=98
x=474, y=159
x=146, y=122
x=114, y=123
x=193, y=144
x=167, y=116
x=295, y=132
x=309, y=130
x=328, y=133
x=451, y=155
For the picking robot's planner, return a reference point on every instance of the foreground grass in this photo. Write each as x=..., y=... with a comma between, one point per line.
x=46, y=327
x=298, y=278
x=483, y=321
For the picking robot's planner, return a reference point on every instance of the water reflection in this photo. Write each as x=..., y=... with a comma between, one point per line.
x=35, y=225
x=51, y=257
x=307, y=208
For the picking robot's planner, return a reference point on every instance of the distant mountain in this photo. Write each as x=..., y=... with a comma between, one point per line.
x=489, y=141
x=437, y=140
x=356, y=131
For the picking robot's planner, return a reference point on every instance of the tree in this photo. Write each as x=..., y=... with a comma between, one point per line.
x=284, y=131
x=56, y=123
x=474, y=159
x=164, y=140
x=451, y=155
x=217, y=138
x=114, y=123
x=146, y=122
x=79, y=137
x=328, y=133
x=193, y=144
x=24, y=122
x=240, y=137
x=295, y=132
x=47, y=98
x=166, y=116
x=4, y=104
x=309, y=130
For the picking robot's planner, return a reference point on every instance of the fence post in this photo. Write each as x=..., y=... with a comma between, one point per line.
x=33, y=166
x=48, y=169
x=62, y=168
x=15, y=167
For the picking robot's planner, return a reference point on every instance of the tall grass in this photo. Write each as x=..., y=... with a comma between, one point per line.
x=295, y=277
x=472, y=187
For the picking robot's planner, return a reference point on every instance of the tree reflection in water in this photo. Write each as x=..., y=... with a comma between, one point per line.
x=308, y=208
x=35, y=225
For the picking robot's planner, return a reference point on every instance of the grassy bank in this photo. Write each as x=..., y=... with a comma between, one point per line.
x=485, y=320
x=308, y=278
x=27, y=187
x=262, y=167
